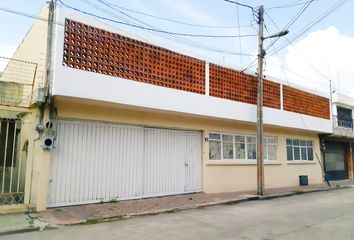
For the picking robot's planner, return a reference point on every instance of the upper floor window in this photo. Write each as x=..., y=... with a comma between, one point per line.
x=299, y=149
x=239, y=147
x=344, y=117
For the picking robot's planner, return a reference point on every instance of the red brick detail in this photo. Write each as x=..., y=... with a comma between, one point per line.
x=237, y=86
x=96, y=50
x=299, y=101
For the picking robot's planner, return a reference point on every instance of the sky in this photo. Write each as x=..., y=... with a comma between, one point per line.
x=311, y=59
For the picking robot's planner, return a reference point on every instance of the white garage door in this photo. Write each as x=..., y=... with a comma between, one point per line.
x=95, y=162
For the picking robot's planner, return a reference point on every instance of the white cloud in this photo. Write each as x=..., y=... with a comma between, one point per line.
x=329, y=52
x=6, y=51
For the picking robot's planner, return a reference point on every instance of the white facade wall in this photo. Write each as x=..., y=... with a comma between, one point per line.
x=71, y=82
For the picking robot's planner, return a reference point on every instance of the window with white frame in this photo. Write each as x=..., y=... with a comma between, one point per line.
x=297, y=149
x=224, y=146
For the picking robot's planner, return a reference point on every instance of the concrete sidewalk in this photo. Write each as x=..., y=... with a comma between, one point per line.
x=94, y=213
x=16, y=223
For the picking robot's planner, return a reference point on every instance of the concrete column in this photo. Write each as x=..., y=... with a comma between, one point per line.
x=350, y=161
x=205, y=146
x=38, y=163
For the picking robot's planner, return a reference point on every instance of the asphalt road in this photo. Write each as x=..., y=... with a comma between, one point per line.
x=323, y=215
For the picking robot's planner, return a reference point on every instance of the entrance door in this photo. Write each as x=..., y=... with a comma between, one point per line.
x=335, y=162
x=12, y=162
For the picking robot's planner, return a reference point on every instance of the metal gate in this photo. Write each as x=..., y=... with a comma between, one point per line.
x=12, y=163
x=335, y=164
x=95, y=162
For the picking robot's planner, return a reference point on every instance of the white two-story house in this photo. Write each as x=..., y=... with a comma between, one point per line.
x=132, y=118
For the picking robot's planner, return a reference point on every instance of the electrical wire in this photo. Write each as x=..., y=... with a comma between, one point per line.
x=153, y=29
x=298, y=52
x=240, y=4
x=173, y=20
x=251, y=65
x=298, y=14
x=192, y=43
x=291, y=22
x=290, y=5
x=312, y=24
x=178, y=39
x=239, y=32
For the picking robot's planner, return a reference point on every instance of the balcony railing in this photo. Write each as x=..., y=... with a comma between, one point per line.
x=343, y=123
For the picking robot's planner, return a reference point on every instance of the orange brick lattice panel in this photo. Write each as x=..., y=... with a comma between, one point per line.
x=306, y=103
x=237, y=86
x=96, y=50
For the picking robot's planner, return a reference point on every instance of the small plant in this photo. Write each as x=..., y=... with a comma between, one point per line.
x=57, y=210
x=173, y=210
x=337, y=186
x=91, y=221
x=298, y=191
x=113, y=200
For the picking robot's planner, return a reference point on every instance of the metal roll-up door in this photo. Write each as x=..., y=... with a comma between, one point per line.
x=95, y=162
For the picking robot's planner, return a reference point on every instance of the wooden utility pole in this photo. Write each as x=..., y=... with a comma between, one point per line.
x=261, y=53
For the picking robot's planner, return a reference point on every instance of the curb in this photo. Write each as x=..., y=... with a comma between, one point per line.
x=203, y=205
x=293, y=193
x=178, y=209
x=22, y=230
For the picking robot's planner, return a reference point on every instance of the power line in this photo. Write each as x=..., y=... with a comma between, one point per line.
x=62, y=24
x=298, y=52
x=173, y=20
x=313, y=23
x=251, y=65
x=292, y=21
x=153, y=29
x=240, y=4
x=290, y=5
x=299, y=75
x=178, y=39
x=239, y=32
x=298, y=14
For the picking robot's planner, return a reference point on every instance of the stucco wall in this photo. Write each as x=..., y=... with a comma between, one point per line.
x=217, y=176
x=33, y=47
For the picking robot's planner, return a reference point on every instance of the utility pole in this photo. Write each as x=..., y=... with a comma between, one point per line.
x=49, y=60
x=50, y=40
x=261, y=53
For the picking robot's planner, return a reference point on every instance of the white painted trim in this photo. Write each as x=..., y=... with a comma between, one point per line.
x=281, y=97
x=296, y=162
x=87, y=85
x=207, y=79
x=241, y=162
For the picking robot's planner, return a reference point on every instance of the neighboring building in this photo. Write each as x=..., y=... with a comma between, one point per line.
x=338, y=147
x=133, y=119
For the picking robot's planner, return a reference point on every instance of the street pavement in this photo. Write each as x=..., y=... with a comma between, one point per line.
x=321, y=215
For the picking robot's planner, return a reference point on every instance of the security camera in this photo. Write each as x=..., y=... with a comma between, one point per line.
x=48, y=142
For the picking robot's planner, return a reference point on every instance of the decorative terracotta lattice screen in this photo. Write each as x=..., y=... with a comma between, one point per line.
x=306, y=103
x=96, y=50
x=237, y=86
